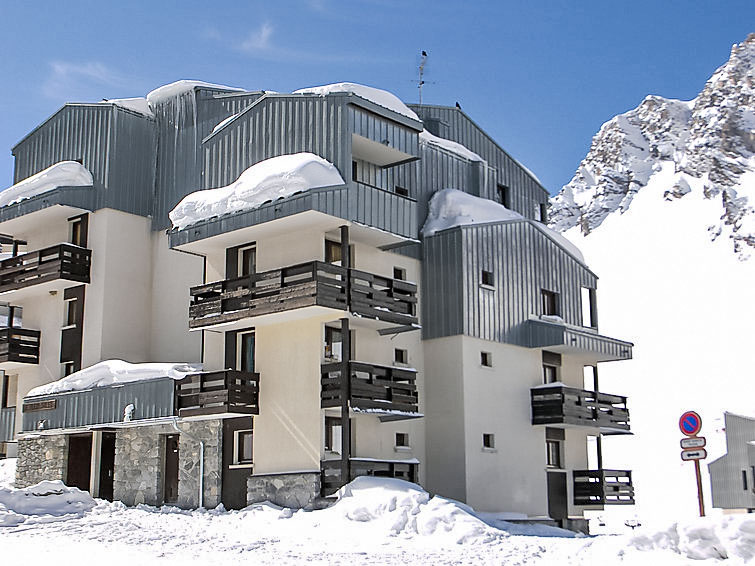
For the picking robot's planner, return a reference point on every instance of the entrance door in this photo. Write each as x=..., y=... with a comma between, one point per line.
x=79, y=461
x=170, y=485
x=237, y=461
x=557, y=497
x=107, y=465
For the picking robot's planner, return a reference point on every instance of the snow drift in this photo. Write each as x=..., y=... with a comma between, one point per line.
x=448, y=145
x=61, y=174
x=46, y=499
x=113, y=372
x=268, y=180
x=177, y=88
x=378, y=96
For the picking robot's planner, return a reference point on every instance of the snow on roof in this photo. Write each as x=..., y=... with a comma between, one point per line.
x=138, y=105
x=114, y=372
x=378, y=96
x=452, y=207
x=448, y=145
x=268, y=180
x=179, y=87
x=61, y=174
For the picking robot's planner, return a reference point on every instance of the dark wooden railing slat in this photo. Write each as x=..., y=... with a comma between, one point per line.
x=226, y=391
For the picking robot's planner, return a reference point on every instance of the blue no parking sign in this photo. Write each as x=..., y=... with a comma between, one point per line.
x=690, y=423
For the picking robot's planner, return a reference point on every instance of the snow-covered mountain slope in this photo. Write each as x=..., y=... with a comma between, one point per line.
x=709, y=142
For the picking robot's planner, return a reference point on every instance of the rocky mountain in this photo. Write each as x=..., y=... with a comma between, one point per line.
x=710, y=141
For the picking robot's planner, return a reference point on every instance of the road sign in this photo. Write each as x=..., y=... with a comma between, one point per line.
x=690, y=423
x=692, y=442
x=697, y=454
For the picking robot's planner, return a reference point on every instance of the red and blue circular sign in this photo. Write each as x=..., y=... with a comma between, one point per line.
x=690, y=423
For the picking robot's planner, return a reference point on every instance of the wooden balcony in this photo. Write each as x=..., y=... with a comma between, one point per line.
x=18, y=346
x=331, y=480
x=218, y=393
x=59, y=262
x=603, y=487
x=308, y=284
x=559, y=405
x=389, y=392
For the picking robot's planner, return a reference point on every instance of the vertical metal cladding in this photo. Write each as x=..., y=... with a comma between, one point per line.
x=523, y=261
x=726, y=473
x=453, y=124
x=443, y=307
x=7, y=423
x=115, y=144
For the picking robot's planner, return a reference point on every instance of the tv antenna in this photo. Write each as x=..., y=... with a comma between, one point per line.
x=421, y=81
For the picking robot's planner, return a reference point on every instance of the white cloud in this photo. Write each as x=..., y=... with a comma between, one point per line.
x=258, y=40
x=80, y=81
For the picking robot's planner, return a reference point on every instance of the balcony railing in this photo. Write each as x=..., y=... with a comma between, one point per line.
x=374, y=388
x=332, y=480
x=557, y=404
x=218, y=392
x=603, y=487
x=62, y=261
x=19, y=345
x=7, y=423
x=313, y=283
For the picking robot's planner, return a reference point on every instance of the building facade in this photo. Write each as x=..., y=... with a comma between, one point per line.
x=336, y=338
x=732, y=476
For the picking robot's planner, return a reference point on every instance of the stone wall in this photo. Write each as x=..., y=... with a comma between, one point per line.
x=43, y=457
x=296, y=490
x=140, y=457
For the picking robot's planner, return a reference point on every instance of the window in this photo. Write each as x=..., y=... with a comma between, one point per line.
x=354, y=171
x=486, y=359
x=401, y=191
x=68, y=368
x=486, y=278
x=245, y=348
x=541, y=212
x=744, y=480
x=399, y=273
x=553, y=453
x=550, y=374
x=504, y=195
x=400, y=356
x=242, y=447
x=488, y=440
x=333, y=344
x=77, y=230
x=333, y=434
x=72, y=313
x=549, y=303
x=402, y=440
x=247, y=261
x=589, y=310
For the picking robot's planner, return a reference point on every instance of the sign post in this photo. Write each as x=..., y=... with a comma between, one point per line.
x=693, y=449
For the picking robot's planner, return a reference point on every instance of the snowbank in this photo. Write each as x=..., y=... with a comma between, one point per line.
x=7, y=472
x=268, y=180
x=452, y=207
x=448, y=145
x=47, y=498
x=380, y=97
x=113, y=372
x=396, y=507
x=177, y=88
x=61, y=174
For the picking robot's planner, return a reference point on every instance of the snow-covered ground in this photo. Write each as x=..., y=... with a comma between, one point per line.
x=375, y=521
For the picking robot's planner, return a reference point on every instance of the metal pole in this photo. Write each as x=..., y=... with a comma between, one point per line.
x=699, y=488
x=345, y=405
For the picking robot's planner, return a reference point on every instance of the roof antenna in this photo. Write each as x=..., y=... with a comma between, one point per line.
x=421, y=82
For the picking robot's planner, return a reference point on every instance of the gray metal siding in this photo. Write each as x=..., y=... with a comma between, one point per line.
x=151, y=399
x=455, y=125
x=382, y=130
x=7, y=424
x=442, y=285
x=726, y=472
x=523, y=261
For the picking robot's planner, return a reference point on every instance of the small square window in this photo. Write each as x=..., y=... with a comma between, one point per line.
x=504, y=195
x=553, y=453
x=550, y=374
x=401, y=191
x=243, y=447
x=333, y=434
x=549, y=303
x=400, y=356
x=354, y=171
x=399, y=273
x=486, y=359
x=486, y=278
x=488, y=440
x=402, y=440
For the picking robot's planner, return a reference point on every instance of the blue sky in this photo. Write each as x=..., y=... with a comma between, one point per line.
x=540, y=77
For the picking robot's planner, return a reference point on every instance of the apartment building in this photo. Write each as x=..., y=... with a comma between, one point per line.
x=371, y=323
x=732, y=476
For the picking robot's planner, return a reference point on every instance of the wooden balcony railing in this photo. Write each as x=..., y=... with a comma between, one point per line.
x=567, y=405
x=303, y=285
x=19, y=345
x=332, y=480
x=374, y=388
x=62, y=261
x=603, y=487
x=218, y=392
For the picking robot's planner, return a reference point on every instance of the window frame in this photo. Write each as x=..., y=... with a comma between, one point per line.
x=401, y=441
x=488, y=441
x=549, y=301
x=401, y=356
x=240, y=349
x=237, y=448
x=241, y=264
x=486, y=359
x=554, y=447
